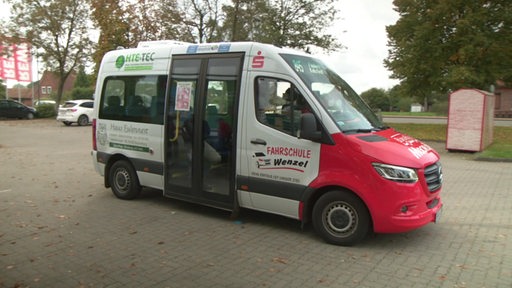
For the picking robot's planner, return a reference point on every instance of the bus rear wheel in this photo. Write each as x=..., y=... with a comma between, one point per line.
x=123, y=180
x=341, y=218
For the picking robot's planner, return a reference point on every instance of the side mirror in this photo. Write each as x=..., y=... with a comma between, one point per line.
x=308, y=127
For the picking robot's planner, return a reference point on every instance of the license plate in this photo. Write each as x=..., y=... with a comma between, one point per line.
x=438, y=215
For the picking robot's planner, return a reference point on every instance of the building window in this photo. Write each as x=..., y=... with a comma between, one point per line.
x=49, y=89
x=43, y=90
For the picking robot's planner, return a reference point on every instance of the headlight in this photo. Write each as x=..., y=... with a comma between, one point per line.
x=396, y=173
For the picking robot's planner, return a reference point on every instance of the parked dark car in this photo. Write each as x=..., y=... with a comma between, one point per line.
x=14, y=109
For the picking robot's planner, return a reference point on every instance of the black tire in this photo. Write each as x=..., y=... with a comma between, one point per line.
x=82, y=120
x=341, y=218
x=67, y=123
x=30, y=116
x=123, y=180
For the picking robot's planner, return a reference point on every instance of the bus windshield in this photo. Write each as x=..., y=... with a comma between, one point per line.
x=349, y=111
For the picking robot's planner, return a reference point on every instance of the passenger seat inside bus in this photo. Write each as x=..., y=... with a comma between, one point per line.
x=136, y=107
x=212, y=116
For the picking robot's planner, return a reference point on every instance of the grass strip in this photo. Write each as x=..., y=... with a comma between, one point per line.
x=501, y=148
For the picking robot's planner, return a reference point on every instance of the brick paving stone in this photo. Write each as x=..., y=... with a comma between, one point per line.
x=61, y=228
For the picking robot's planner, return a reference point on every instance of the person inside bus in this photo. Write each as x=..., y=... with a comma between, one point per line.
x=210, y=154
x=294, y=107
x=295, y=100
x=136, y=107
x=289, y=97
x=224, y=139
x=114, y=106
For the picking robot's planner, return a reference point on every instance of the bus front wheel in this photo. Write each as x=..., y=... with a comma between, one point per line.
x=124, y=181
x=341, y=218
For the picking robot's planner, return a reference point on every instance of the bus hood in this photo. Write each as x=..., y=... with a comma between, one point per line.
x=392, y=147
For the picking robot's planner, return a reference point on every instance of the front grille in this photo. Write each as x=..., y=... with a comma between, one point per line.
x=434, y=176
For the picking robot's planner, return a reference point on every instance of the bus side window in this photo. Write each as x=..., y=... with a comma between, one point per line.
x=112, y=99
x=279, y=105
x=134, y=99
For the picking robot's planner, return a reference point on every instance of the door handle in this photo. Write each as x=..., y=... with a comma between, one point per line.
x=258, y=141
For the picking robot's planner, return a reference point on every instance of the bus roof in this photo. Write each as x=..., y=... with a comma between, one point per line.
x=154, y=56
x=219, y=47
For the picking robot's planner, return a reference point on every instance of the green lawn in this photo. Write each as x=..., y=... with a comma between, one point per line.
x=425, y=132
x=416, y=114
x=501, y=148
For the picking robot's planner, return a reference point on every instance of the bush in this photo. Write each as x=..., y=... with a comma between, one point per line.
x=82, y=93
x=440, y=108
x=46, y=111
x=404, y=104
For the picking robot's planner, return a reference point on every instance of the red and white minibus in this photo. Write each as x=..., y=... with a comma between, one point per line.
x=250, y=125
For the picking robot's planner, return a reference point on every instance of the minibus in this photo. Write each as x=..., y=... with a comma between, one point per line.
x=250, y=125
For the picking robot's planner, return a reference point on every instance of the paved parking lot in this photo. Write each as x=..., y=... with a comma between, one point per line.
x=61, y=228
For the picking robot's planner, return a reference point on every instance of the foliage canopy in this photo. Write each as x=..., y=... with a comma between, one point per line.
x=441, y=46
x=57, y=30
x=60, y=30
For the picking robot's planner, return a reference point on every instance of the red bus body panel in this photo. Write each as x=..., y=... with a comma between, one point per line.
x=349, y=164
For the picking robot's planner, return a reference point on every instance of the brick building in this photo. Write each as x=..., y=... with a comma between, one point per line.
x=503, y=102
x=45, y=88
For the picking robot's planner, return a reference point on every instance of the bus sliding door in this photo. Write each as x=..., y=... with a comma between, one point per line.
x=202, y=99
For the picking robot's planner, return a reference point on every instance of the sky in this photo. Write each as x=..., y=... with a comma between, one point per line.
x=361, y=27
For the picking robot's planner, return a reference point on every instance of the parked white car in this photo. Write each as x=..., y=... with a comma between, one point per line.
x=76, y=111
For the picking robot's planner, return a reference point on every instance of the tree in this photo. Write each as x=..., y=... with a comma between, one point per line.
x=125, y=24
x=438, y=46
x=285, y=23
x=59, y=31
x=299, y=23
x=111, y=19
x=291, y=23
x=82, y=79
x=402, y=98
x=244, y=20
x=377, y=98
x=203, y=19
x=156, y=20
x=83, y=88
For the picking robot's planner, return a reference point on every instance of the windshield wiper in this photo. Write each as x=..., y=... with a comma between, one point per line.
x=365, y=130
x=355, y=131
